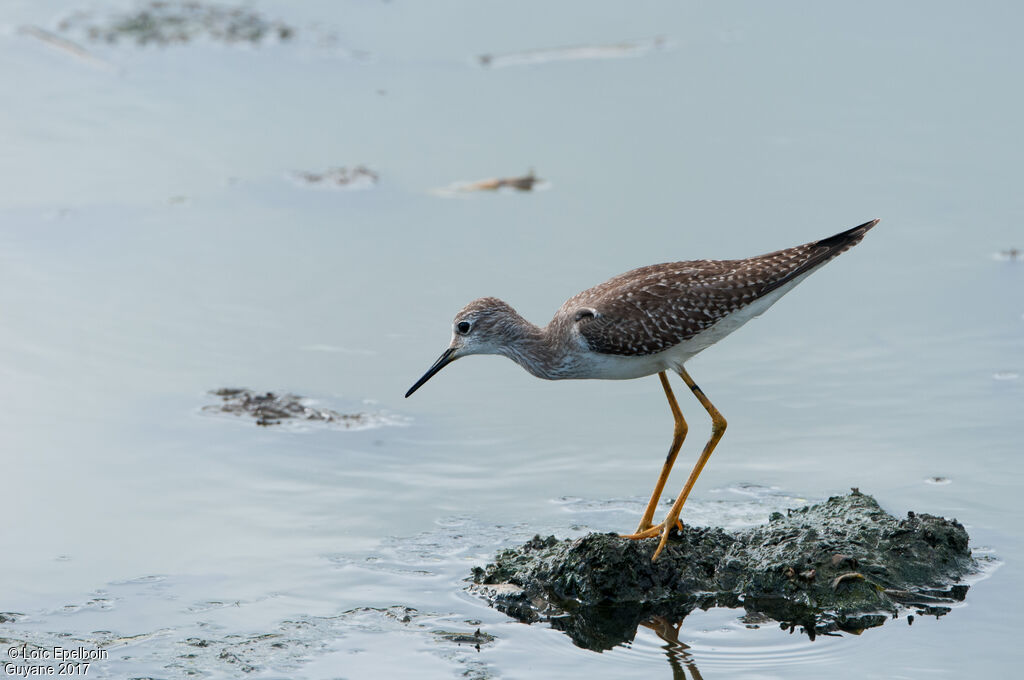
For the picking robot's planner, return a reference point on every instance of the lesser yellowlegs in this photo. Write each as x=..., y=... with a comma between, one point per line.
x=646, y=321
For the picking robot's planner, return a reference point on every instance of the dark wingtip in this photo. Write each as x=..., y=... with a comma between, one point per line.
x=859, y=230
x=849, y=238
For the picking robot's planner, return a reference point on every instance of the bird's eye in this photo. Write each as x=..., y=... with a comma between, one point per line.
x=463, y=327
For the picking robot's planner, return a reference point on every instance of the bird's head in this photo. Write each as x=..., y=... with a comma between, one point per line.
x=484, y=326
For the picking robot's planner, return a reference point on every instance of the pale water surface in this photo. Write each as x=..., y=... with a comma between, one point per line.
x=154, y=246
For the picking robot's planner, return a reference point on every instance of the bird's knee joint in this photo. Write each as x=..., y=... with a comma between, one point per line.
x=719, y=424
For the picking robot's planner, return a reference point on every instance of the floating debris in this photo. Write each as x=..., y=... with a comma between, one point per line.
x=63, y=44
x=939, y=481
x=1005, y=375
x=358, y=177
x=524, y=183
x=269, y=408
x=165, y=22
x=841, y=565
x=1009, y=255
x=626, y=48
x=527, y=182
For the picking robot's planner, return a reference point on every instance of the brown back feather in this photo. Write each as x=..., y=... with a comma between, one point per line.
x=651, y=309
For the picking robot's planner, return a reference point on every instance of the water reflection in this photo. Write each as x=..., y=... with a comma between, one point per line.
x=707, y=627
x=605, y=627
x=678, y=657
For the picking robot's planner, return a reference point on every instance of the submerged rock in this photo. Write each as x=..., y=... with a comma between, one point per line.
x=844, y=564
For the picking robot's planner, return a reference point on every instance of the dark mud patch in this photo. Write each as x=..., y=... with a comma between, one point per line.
x=271, y=408
x=841, y=565
x=165, y=23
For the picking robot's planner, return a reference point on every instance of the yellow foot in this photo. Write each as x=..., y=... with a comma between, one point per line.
x=649, y=532
x=646, y=533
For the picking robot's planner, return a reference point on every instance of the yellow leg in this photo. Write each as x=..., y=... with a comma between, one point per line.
x=678, y=435
x=718, y=425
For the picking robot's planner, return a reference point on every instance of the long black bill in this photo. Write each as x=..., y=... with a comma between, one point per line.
x=445, y=359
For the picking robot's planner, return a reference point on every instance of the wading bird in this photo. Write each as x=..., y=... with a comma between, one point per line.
x=646, y=321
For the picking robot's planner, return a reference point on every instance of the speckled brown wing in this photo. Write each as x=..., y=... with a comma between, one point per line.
x=651, y=309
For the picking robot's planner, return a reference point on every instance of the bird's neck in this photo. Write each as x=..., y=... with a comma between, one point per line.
x=538, y=350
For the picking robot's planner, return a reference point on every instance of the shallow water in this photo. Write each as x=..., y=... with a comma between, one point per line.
x=154, y=245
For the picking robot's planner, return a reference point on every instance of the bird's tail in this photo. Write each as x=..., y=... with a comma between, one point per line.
x=810, y=256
